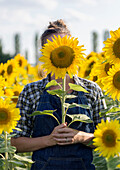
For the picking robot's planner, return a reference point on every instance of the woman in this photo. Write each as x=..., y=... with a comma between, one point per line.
x=57, y=146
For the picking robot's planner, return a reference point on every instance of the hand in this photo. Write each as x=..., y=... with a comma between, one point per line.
x=56, y=132
x=66, y=135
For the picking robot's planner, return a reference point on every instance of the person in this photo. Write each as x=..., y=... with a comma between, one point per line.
x=57, y=146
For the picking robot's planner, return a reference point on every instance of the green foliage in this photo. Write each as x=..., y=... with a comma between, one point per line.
x=14, y=161
x=99, y=161
x=52, y=83
x=60, y=93
x=77, y=88
x=45, y=112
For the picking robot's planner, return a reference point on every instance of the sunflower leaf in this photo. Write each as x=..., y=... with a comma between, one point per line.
x=77, y=87
x=21, y=158
x=57, y=92
x=10, y=149
x=45, y=112
x=52, y=83
x=42, y=112
x=79, y=117
x=70, y=96
x=76, y=105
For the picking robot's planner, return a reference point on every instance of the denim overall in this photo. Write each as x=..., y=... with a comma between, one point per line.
x=67, y=157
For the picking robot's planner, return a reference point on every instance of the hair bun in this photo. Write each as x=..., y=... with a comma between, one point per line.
x=57, y=24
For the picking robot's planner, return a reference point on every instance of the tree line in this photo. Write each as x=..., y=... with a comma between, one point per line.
x=7, y=56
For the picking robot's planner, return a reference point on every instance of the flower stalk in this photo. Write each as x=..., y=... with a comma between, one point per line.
x=6, y=153
x=63, y=99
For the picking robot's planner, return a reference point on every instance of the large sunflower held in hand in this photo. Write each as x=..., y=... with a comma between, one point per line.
x=112, y=46
x=9, y=115
x=61, y=56
x=107, y=138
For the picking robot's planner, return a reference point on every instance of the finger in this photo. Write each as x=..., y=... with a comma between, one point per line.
x=64, y=143
x=63, y=135
x=63, y=140
x=68, y=141
x=61, y=126
x=65, y=130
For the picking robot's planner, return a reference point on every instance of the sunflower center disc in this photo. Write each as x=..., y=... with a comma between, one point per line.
x=62, y=57
x=9, y=69
x=16, y=93
x=3, y=115
x=109, y=138
x=116, y=48
x=116, y=80
x=2, y=72
x=20, y=63
x=107, y=67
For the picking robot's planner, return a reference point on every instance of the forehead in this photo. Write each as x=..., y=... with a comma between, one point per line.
x=49, y=37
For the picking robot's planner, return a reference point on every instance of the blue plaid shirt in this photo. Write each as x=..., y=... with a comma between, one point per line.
x=29, y=98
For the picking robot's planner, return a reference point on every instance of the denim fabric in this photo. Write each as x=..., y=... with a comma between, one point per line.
x=68, y=157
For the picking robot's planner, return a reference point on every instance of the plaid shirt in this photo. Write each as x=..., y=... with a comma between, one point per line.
x=29, y=98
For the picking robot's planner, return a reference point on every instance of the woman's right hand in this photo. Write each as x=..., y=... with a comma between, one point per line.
x=51, y=138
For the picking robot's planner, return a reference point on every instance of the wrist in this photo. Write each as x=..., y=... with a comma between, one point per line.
x=48, y=141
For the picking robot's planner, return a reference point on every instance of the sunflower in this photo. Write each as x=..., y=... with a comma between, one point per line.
x=3, y=83
x=89, y=65
x=112, y=82
x=92, y=54
x=92, y=75
x=61, y=56
x=11, y=68
x=81, y=69
x=112, y=46
x=1, y=92
x=21, y=60
x=102, y=68
x=101, y=55
x=9, y=115
x=16, y=91
x=8, y=92
x=2, y=69
x=107, y=136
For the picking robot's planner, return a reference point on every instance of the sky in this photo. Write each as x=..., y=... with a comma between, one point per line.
x=83, y=17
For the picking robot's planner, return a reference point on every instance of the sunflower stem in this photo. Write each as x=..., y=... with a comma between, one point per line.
x=6, y=153
x=108, y=164
x=63, y=100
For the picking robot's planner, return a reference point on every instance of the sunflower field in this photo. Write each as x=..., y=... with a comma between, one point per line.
x=103, y=68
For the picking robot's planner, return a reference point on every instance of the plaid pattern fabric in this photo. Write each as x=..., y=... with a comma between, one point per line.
x=29, y=99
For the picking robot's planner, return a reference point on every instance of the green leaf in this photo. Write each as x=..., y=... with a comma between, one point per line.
x=76, y=105
x=17, y=163
x=79, y=117
x=113, y=162
x=18, y=129
x=57, y=92
x=23, y=158
x=45, y=112
x=112, y=111
x=70, y=96
x=77, y=88
x=52, y=83
x=99, y=161
x=9, y=136
x=1, y=140
x=42, y=112
x=2, y=156
x=1, y=164
x=10, y=149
